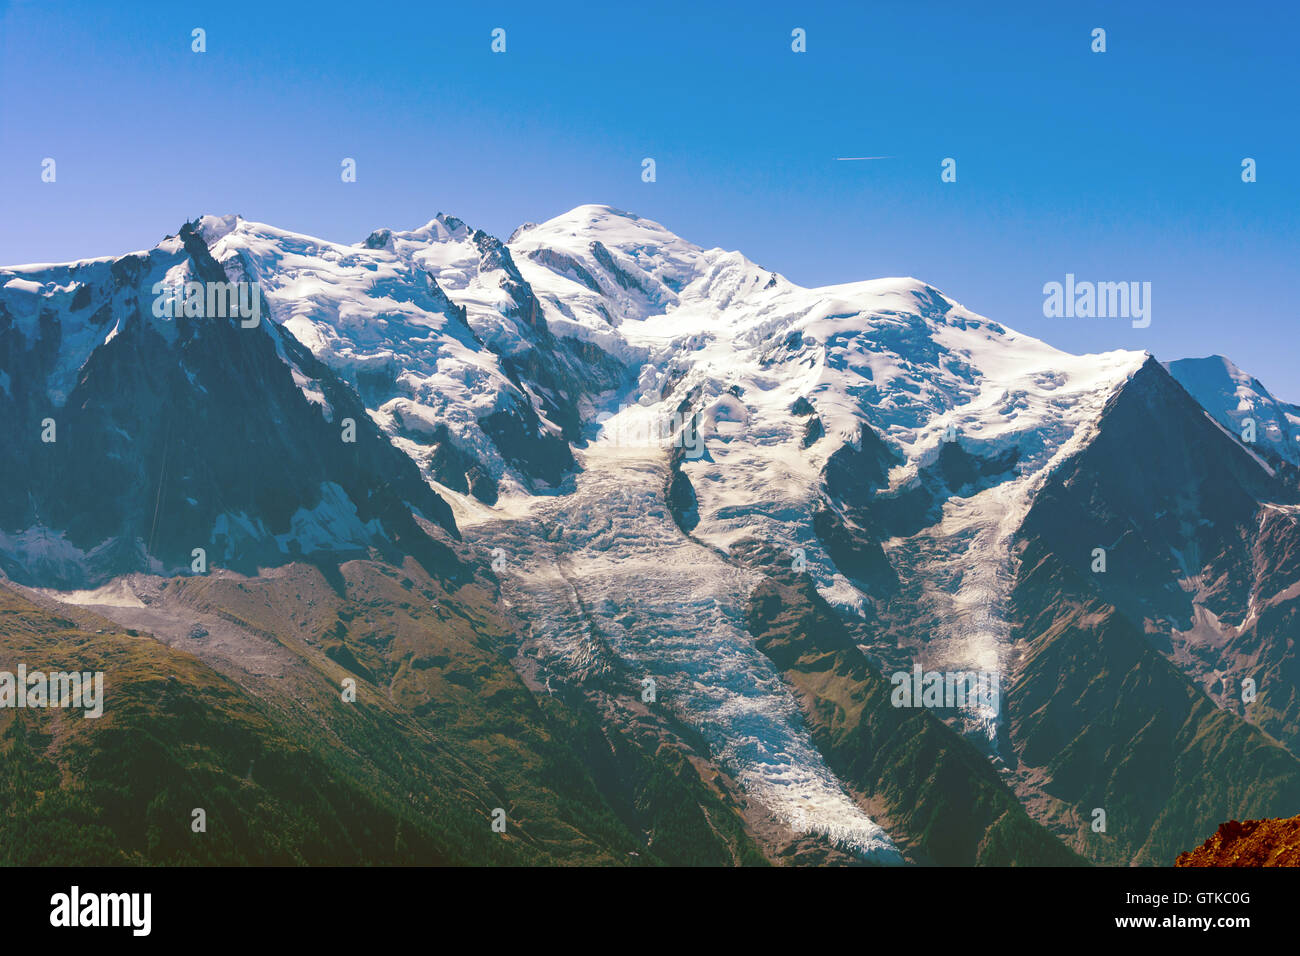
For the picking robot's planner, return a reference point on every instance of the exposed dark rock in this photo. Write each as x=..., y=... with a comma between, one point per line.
x=565, y=265
x=617, y=272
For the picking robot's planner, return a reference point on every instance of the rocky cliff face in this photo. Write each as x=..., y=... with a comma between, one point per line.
x=1138, y=563
x=1251, y=843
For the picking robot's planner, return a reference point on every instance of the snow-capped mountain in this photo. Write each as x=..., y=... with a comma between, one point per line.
x=1234, y=398
x=665, y=451
x=138, y=436
x=473, y=389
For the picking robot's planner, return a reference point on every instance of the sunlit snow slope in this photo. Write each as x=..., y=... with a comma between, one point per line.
x=768, y=366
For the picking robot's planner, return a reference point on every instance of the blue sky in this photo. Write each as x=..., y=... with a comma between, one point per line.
x=1120, y=166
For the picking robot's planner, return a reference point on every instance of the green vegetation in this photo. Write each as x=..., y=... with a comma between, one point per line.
x=1167, y=767
x=442, y=732
x=930, y=788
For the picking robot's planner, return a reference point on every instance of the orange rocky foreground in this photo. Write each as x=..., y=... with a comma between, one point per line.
x=1253, y=843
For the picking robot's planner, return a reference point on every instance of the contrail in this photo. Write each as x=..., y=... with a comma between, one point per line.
x=853, y=159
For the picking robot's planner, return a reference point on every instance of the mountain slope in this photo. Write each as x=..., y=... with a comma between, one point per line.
x=135, y=439
x=931, y=785
x=234, y=709
x=1103, y=713
x=1201, y=537
x=1232, y=397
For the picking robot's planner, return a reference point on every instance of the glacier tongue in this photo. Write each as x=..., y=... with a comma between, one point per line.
x=605, y=579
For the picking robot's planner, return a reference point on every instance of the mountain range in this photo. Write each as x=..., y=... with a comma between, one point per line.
x=630, y=540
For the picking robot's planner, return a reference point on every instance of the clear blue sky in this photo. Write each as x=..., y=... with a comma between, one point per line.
x=1116, y=166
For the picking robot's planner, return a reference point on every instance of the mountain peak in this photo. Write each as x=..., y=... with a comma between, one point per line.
x=441, y=228
x=593, y=211
x=614, y=228
x=1239, y=402
x=214, y=228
